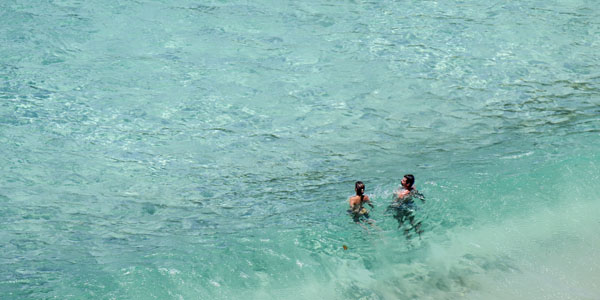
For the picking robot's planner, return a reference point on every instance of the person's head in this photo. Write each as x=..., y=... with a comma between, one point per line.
x=408, y=181
x=359, y=187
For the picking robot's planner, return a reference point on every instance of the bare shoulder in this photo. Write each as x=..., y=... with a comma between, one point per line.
x=402, y=194
x=366, y=198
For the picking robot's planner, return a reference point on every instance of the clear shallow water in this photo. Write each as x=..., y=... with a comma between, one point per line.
x=185, y=150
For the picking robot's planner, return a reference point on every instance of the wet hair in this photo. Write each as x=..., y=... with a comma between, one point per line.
x=359, y=186
x=410, y=180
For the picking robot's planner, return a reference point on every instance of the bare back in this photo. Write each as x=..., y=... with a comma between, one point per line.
x=356, y=204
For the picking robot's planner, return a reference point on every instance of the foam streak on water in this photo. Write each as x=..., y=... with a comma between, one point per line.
x=206, y=149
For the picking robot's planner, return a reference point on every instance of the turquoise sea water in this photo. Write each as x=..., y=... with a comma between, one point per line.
x=206, y=149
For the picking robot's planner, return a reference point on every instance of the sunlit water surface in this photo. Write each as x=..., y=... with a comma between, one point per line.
x=206, y=149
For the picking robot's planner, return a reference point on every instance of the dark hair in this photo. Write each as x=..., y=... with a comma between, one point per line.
x=359, y=186
x=410, y=180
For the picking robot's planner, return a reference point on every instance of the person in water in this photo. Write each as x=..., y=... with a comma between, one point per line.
x=357, y=209
x=407, y=187
x=403, y=205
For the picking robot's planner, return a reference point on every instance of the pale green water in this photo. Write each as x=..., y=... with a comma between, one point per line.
x=205, y=150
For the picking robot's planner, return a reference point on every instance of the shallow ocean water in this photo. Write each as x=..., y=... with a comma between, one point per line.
x=206, y=149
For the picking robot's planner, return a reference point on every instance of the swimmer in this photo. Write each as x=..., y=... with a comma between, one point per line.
x=404, y=206
x=407, y=183
x=357, y=210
